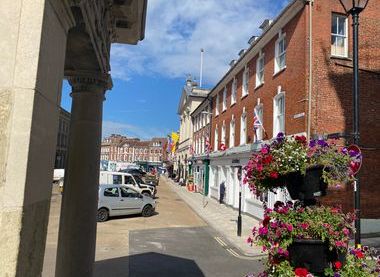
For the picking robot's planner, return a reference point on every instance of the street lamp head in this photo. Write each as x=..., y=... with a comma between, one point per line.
x=354, y=6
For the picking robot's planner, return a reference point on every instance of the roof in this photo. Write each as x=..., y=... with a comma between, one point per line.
x=289, y=11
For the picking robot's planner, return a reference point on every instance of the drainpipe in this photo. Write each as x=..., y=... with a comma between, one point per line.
x=310, y=89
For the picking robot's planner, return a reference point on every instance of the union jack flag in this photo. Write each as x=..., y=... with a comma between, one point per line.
x=208, y=146
x=256, y=121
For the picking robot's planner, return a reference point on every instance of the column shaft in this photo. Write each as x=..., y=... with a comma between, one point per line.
x=77, y=230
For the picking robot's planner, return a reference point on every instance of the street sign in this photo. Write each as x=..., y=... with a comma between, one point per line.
x=356, y=158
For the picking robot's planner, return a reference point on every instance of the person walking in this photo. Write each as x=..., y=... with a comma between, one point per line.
x=222, y=191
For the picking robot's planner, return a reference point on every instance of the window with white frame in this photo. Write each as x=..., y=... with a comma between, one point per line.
x=223, y=137
x=232, y=132
x=260, y=70
x=216, y=139
x=202, y=145
x=280, y=53
x=243, y=128
x=259, y=112
x=279, y=114
x=245, y=81
x=233, y=91
x=224, y=99
x=339, y=40
x=217, y=105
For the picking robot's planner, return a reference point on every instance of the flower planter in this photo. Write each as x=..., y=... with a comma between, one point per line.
x=313, y=255
x=305, y=187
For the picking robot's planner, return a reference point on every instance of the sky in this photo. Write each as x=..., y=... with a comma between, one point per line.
x=148, y=78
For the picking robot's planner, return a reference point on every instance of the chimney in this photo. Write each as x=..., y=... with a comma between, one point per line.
x=252, y=39
x=265, y=25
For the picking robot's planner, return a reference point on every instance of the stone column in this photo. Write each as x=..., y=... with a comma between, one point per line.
x=77, y=228
x=33, y=45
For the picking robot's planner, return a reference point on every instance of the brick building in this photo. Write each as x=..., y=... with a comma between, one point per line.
x=297, y=76
x=123, y=149
x=62, y=138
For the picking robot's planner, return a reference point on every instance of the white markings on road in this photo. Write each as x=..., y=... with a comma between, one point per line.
x=233, y=252
x=224, y=245
x=220, y=241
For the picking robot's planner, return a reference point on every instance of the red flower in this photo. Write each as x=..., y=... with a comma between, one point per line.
x=359, y=254
x=338, y=265
x=301, y=139
x=266, y=220
x=301, y=272
x=274, y=175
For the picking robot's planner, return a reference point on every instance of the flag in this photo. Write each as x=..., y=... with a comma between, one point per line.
x=191, y=150
x=222, y=147
x=175, y=140
x=258, y=124
x=208, y=146
x=256, y=121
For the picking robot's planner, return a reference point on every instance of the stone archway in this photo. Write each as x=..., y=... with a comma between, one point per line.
x=42, y=42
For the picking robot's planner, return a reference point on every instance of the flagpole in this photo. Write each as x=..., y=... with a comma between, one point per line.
x=201, y=71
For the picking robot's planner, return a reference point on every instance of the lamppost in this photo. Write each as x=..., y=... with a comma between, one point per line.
x=239, y=216
x=354, y=7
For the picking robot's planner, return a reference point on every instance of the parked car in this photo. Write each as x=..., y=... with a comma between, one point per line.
x=134, y=171
x=151, y=179
x=116, y=200
x=122, y=178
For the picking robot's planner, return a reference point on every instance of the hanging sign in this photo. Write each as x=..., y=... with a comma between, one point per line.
x=356, y=158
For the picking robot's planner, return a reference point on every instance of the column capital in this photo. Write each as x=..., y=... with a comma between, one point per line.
x=89, y=81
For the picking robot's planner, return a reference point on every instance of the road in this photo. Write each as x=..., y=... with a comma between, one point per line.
x=173, y=242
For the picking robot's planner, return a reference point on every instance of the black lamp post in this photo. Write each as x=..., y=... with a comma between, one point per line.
x=239, y=216
x=354, y=7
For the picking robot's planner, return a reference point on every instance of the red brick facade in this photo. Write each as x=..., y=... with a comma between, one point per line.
x=331, y=96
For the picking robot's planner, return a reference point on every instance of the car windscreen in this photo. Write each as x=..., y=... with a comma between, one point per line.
x=139, y=180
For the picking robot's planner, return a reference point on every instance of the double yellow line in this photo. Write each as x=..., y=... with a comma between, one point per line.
x=224, y=245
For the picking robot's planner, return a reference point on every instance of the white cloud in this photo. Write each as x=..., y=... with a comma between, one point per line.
x=130, y=130
x=176, y=30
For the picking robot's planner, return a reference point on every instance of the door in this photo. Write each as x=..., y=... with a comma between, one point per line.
x=131, y=201
x=111, y=199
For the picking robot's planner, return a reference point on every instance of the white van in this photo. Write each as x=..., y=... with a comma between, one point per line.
x=122, y=178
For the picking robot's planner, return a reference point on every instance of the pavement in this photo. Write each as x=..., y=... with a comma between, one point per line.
x=175, y=241
x=222, y=218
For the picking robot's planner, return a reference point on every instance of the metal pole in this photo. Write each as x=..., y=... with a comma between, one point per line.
x=239, y=216
x=356, y=134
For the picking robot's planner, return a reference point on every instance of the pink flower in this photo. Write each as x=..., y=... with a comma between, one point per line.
x=289, y=227
x=340, y=244
x=346, y=231
x=304, y=226
x=263, y=231
x=264, y=150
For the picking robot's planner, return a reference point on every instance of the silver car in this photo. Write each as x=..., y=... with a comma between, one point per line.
x=115, y=200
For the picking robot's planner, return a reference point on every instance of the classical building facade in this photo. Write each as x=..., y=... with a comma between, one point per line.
x=123, y=149
x=62, y=138
x=44, y=41
x=296, y=77
x=191, y=97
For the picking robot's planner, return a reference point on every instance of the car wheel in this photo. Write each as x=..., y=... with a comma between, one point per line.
x=147, y=211
x=147, y=193
x=102, y=215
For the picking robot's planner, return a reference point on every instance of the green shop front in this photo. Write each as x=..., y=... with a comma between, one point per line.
x=200, y=170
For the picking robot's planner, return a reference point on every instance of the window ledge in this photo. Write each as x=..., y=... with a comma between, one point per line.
x=278, y=72
x=224, y=110
x=259, y=86
x=233, y=104
x=244, y=96
x=340, y=58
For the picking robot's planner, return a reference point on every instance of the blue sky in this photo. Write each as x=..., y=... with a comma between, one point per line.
x=148, y=78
